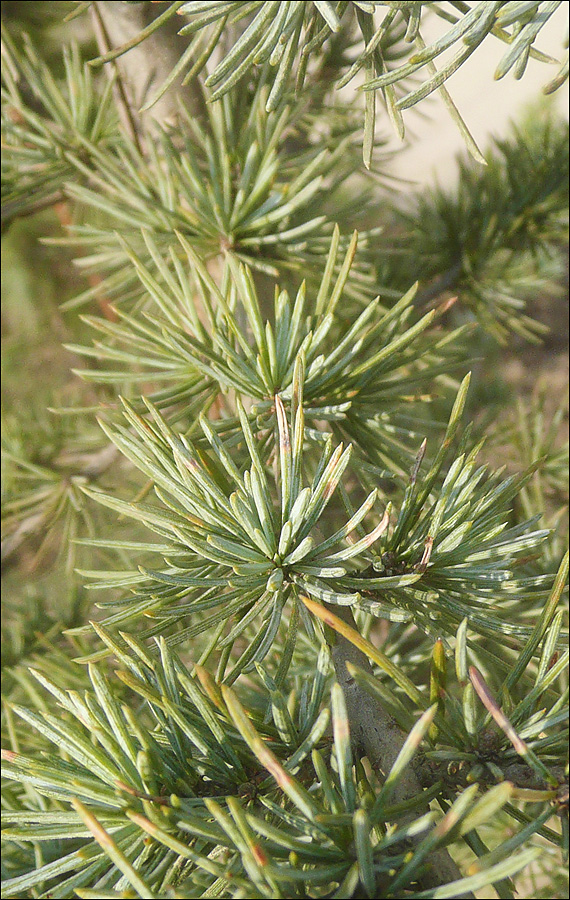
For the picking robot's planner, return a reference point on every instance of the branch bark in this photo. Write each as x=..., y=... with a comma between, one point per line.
x=429, y=771
x=375, y=733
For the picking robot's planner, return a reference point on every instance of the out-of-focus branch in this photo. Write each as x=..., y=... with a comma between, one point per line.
x=445, y=282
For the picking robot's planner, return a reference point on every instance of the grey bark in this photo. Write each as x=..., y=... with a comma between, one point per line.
x=375, y=733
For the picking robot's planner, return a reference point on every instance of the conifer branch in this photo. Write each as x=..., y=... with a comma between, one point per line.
x=300, y=560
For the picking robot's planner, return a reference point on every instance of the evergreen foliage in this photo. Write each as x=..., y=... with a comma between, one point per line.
x=327, y=655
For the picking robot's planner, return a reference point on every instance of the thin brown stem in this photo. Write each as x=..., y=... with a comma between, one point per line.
x=120, y=94
x=146, y=66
